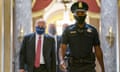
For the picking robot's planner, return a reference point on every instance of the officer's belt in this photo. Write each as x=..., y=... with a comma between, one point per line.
x=72, y=60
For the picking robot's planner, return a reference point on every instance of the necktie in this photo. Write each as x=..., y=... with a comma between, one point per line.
x=37, y=56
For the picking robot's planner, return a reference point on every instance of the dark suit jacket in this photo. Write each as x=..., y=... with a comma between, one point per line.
x=27, y=53
x=58, y=46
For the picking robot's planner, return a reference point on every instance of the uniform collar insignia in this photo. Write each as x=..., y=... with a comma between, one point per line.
x=72, y=32
x=89, y=30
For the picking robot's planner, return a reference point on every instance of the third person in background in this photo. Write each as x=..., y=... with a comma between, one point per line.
x=52, y=31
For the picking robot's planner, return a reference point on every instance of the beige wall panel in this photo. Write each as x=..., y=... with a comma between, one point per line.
x=95, y=22
x=7, y=30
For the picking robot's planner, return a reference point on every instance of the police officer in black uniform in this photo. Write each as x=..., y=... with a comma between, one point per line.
x=82, y=38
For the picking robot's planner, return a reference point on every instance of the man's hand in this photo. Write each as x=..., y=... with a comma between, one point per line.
x=22, y=70
x=63, y=66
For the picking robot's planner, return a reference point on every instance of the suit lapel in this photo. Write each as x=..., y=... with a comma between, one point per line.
x=44, y=47
x=32, y=44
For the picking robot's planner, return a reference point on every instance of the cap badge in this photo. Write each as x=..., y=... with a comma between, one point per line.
x=80, y=5
x=89, y=30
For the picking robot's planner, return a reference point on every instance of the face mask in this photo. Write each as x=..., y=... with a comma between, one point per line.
x=52, y=31
x=80, y=19
x=40, y=30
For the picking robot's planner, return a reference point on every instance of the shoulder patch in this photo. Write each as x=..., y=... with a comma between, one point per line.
x=73, y=32
x=89, y=30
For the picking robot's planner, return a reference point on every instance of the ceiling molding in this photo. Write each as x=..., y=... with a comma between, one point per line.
x=33, y=2
x=41, y=12
x=38, y=13
x=51, y=4
x=98, y=2
x=57, y=15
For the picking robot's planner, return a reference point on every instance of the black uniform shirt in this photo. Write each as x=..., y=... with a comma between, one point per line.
x=80, y=40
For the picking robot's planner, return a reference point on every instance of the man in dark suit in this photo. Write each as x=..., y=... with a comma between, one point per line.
x=37, y=51
x=53, y=32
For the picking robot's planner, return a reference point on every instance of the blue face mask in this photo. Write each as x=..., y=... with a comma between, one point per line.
x=40, y=30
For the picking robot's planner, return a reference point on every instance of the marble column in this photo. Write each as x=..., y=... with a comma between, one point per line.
x=1, y=34
x=119, y=34
x=22, y=25
x=109, y=22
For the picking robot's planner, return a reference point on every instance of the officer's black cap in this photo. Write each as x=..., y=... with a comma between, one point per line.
x=79, y=6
